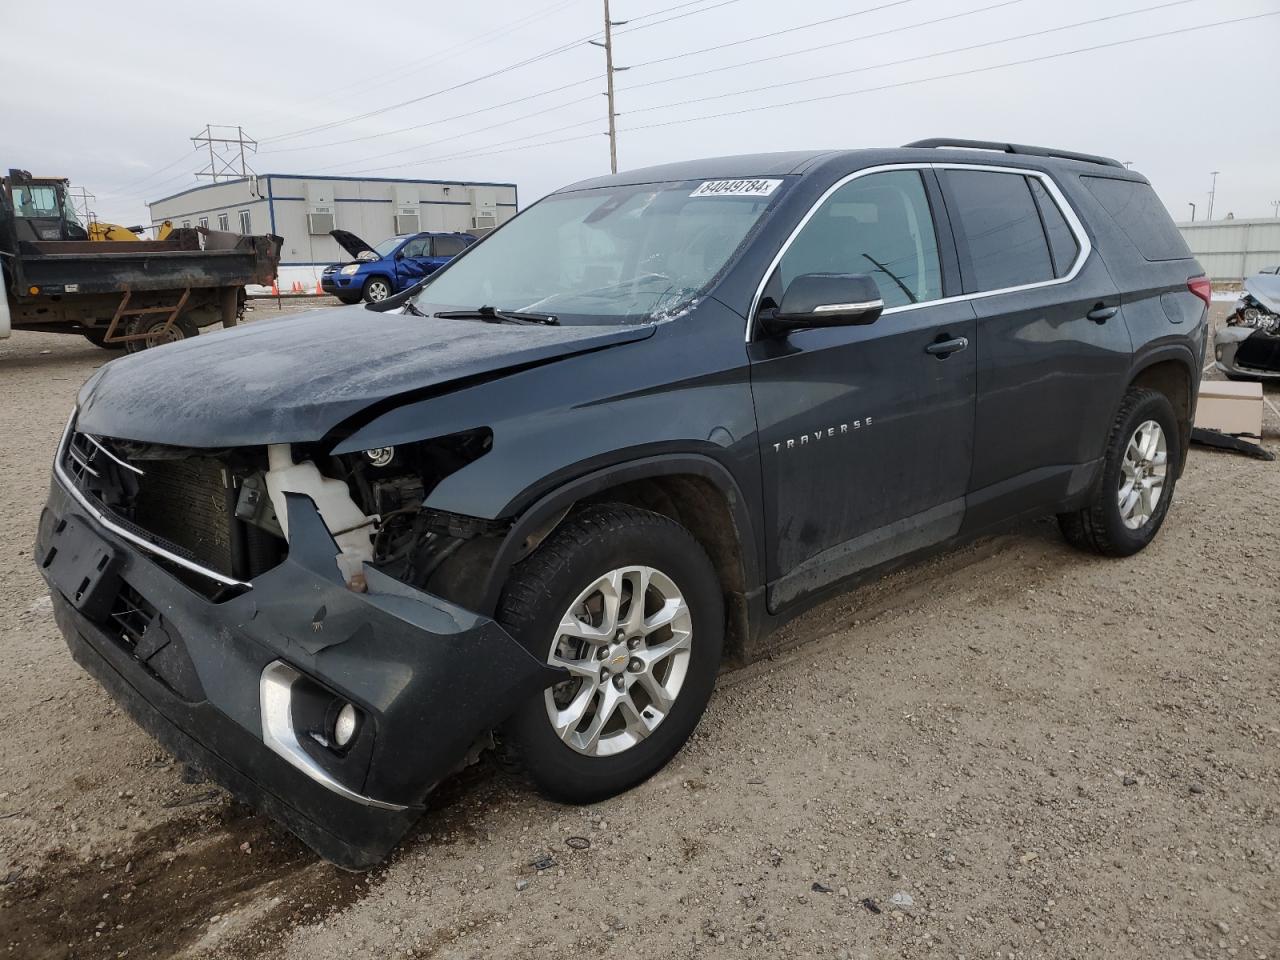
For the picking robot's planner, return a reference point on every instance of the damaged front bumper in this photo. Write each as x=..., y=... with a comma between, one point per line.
x=1244, y=351
x=247, y=689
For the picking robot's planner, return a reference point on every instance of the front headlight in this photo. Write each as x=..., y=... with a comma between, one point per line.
x=349, y=269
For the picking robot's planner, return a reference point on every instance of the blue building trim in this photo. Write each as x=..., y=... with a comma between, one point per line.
x=443, y=183
x=299, y=176
x=271, y=207
x=227, y=206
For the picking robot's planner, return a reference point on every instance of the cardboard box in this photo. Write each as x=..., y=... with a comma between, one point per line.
x=1231, y=407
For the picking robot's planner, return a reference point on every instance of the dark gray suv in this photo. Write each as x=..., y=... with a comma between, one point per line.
x=539, y=498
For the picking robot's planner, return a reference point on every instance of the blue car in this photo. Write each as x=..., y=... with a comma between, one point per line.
x=395, y=264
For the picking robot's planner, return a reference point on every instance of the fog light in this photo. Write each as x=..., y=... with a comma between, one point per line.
x=344, y=728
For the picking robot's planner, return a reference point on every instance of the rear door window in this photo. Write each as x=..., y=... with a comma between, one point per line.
x=879, y=225
x=1139, y=213
x=1063, y=246
x=998, y=217
x=448, y=246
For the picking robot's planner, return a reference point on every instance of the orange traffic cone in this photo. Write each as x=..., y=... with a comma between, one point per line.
x=275, y=288
x=319, y=289
x=297, y=286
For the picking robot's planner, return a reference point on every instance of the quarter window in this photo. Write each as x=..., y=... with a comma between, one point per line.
x=1063, y=246
x=448, y=246
x=879, y=225
x=999, y=219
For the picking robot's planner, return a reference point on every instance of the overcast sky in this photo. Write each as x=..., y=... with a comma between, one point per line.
x=109, y=95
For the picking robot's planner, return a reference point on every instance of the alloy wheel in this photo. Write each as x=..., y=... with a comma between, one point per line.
x=625, y=642
x=378, y=290
x=1142, y=474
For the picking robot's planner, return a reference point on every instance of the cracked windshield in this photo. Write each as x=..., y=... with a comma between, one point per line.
x=621, y=254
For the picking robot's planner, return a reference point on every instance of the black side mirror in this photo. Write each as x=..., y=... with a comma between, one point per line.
x=825, y=300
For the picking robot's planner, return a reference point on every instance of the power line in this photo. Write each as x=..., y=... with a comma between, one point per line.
x=143, y=179
x=577, y=100
x=850, y=93
x=536, y=58
x=735, y=93
x=449, y=53
x=896, y=63
x=456, y=116
x=948, y=76
x=801, y=52
x=775, y=33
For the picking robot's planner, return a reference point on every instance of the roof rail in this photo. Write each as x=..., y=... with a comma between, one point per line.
x=1020, y=148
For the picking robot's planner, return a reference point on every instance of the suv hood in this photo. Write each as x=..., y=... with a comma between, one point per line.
x=354, y=245
x=295, y=379
x=1265, y=288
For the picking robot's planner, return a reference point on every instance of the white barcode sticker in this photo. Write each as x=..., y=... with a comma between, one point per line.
x=736, y=188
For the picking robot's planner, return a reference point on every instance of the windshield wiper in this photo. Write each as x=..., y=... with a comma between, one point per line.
x=494, y=315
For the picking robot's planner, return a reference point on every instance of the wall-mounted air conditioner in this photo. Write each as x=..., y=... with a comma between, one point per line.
x=484, y=221
x=407, y=220
x=320, y=222
x=320, y=209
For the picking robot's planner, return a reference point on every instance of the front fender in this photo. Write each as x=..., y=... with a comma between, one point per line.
x=533, y=518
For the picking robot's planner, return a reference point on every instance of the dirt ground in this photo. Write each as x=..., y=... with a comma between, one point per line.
x=1014, y=751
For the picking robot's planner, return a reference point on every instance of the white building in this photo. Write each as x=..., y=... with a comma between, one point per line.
x=303, y=209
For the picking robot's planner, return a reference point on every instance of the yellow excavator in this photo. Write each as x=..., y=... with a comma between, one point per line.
x=113, y=231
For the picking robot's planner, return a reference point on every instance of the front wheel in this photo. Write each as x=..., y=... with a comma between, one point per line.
x=376, y=289
x=627, y=604
x=350, y=299
x=1139, y=470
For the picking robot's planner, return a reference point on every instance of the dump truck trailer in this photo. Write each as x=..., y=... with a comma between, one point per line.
x=118, y=294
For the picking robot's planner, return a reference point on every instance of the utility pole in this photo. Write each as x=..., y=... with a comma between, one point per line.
x=1213, y=188
x=226, y=152
x=1193, y=211
x=610, y=70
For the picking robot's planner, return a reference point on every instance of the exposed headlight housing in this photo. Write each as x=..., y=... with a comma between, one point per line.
x=349, y=269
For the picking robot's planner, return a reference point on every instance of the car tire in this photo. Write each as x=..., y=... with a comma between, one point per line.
x=183, y=329
x=350, y=299
x=98, y=338
x=637, y=732
x=1113, y=523
x=376, y=289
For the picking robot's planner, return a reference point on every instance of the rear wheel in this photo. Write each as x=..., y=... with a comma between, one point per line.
x=627, y=604
x=1139, y=471
x=376, y=289
x=153, y=325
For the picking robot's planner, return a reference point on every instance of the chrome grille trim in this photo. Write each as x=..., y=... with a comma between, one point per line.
x=123, y=533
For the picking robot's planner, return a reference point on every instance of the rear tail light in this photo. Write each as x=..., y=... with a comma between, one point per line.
x=1202, y=288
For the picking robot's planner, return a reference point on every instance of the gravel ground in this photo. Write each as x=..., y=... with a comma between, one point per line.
x=1013, y=751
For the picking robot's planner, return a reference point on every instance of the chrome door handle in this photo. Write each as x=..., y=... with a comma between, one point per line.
x=945, y=348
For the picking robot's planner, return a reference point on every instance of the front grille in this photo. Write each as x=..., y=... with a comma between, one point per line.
x=1259, y=350
x=182, y=505
x=188, y=503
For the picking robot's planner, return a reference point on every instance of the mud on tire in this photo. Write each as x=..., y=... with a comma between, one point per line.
x=1099, y=526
